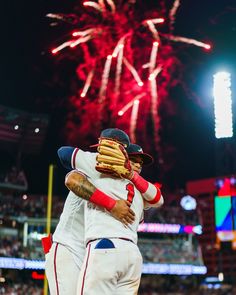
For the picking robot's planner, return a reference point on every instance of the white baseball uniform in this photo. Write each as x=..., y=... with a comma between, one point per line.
x=64, y=260
x=113, y=262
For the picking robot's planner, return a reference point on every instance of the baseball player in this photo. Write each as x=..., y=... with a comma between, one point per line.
x=65, y=255
x=113, y=263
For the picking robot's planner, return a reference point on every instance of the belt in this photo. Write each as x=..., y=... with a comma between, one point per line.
x=125, y=239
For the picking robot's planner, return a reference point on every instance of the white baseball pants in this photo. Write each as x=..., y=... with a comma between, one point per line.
x=61, y=271
x=112, y=271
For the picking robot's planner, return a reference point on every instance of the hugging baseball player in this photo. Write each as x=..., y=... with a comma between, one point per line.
x=112, y=262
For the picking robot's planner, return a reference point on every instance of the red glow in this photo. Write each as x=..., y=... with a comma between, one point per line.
x=54, y=51
x=161, y=20
x=37, y=276
x=208, y=47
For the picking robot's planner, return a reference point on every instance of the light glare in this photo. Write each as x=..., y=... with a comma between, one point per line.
x=223, y=105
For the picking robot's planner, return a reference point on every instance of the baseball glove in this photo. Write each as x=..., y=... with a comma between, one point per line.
x=113, y=159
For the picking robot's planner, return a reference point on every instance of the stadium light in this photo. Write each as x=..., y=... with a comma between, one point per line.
x=188, y=203
x=221, y=276
x=222, y=105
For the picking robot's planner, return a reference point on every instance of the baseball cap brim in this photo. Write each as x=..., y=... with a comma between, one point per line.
x=146, y=158
x=94, y=145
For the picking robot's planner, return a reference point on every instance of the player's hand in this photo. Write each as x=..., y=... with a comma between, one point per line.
x=122, y=212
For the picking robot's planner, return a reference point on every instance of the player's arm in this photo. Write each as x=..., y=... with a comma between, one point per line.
x=83, y=188
x=150, y=192
x=75, y=158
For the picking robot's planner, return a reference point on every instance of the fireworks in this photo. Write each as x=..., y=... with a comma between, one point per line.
x=121, y=57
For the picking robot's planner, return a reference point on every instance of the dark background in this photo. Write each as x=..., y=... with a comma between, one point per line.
x=29, y=82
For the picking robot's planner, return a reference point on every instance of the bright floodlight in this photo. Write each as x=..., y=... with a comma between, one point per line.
x=188, y=203
x=223, y=105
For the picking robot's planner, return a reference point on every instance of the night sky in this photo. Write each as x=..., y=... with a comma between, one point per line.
x=32, y=81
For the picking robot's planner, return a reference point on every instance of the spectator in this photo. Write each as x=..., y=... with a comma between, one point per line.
x=11, y=175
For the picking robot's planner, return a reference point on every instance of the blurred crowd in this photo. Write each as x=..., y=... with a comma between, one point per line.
x=172, y=214
x=14, y=176
x=20, y=289
x=175, y=250
x=197, y=291
x=150, y=285
x=24, y=289
x=13, y=247
x=28, y=206
x=19, y=205
x=180, y=285
x=153, y=251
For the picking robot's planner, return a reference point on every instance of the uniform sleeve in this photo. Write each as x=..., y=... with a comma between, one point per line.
x=75, y=158
x=148, y=205
x=150, y=192
x=65, y=154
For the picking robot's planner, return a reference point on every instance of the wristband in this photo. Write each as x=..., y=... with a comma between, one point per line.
x=103, y=200
x=140, y=183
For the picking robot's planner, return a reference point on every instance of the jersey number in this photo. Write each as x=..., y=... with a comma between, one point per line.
x=130, y=189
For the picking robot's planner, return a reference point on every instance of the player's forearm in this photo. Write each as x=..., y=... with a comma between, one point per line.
x=150, y=192
x=79, y=185
x=83, y=188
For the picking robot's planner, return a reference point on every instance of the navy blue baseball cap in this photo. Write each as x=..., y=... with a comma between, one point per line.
x=116, y=134
x=136, y=150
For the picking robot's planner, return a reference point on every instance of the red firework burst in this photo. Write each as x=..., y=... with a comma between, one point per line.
x=126, y=64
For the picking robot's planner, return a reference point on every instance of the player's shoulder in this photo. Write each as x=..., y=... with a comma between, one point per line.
x=84, y=156
x=87, y=153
